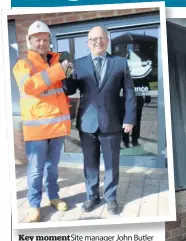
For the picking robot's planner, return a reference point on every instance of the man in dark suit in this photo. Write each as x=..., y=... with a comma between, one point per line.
x=100, y=77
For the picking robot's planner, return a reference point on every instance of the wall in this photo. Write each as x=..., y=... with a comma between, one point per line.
x=176, y=231
x=24, y=21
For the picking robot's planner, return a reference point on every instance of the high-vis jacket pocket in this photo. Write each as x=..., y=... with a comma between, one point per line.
x=45, y=109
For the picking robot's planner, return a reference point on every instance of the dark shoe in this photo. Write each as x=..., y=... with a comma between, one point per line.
x=112, y=207
x=126, y=145
x=90, y=205
x=135, y=143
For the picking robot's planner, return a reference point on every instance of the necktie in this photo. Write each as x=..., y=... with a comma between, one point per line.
x=98, y=68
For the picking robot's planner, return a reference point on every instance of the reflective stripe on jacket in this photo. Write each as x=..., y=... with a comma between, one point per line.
x=44, y=106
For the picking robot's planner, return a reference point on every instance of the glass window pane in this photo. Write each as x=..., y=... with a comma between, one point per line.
x=81, y=48
x=140, y=47
x=63, y=45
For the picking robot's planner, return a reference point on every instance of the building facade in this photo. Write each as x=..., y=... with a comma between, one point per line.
x=134, y=34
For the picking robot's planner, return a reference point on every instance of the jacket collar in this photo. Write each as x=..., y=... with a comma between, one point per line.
x=35, y=56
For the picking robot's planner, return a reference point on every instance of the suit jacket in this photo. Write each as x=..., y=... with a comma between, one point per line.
x=100, y=105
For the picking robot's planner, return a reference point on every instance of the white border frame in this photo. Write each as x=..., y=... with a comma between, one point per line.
x=120, y=220
x=176, y=12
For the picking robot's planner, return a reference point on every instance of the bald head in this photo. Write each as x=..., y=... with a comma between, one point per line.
x=95, y=30
x=97, y=40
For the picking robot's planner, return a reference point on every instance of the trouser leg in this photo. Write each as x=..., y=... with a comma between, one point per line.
x=51, y=167
x=36, y=154
x=91, y=152
x=110, y=144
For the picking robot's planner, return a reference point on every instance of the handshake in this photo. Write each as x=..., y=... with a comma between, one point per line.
x=67, y=66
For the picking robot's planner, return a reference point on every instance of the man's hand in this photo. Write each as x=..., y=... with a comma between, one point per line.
x=70, y=65
x=65, y=65
x=127, y=128
x=70, y=70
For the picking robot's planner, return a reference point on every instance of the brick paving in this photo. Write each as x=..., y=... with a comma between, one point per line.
x=142, y=192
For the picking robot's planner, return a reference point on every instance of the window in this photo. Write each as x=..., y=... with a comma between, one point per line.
x=140, y=47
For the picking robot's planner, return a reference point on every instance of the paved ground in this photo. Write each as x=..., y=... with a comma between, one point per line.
x=141, y=192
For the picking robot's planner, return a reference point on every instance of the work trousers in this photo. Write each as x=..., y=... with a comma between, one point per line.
x=43, y=159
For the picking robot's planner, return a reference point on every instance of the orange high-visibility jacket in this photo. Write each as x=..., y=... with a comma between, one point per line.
x=44, y=106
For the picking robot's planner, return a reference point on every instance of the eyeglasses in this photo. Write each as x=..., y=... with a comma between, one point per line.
x=94, y=40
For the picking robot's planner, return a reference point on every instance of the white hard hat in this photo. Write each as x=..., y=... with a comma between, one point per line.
x=38, y=27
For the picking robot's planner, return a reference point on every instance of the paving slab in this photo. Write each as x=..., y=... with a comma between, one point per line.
x=139, y=190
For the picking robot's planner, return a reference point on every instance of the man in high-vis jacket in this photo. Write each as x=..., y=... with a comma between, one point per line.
x=45, y=116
